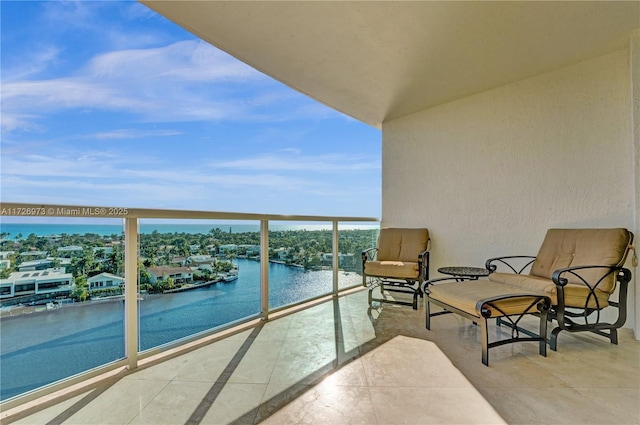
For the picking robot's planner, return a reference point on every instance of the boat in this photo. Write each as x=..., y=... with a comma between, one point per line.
x=230, y=277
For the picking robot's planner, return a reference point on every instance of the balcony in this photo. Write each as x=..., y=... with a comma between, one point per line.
x=325, y=357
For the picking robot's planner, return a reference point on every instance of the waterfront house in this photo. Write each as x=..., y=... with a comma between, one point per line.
x=178, y=274
x=201, y=262
x=53, y=281
x=104, y=281
x=249, y=250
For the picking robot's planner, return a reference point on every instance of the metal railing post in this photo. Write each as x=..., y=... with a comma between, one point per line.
x=264, y=269
x=336, y=259
x=131, y=291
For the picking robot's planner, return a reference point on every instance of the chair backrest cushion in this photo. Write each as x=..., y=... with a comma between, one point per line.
x=396, y=244
x=580, y=247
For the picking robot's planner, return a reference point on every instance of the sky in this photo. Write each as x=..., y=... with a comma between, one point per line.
x=107, y=103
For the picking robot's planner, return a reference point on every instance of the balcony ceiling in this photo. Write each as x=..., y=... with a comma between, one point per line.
x=376, y=61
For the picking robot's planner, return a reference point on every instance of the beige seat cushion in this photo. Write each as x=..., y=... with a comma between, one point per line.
x=393, y=269
x=574, y=295
x=579, y=247
x=398, y=251
x=465, y=296
x=401, y=244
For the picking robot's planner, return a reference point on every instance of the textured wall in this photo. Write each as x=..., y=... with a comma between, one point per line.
x=634, y=59
x=488, y=174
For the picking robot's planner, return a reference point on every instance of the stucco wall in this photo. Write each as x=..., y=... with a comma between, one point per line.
x=490, y=173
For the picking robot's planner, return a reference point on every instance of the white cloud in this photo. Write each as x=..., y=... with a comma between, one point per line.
x=320, y=163
x=133, y=134
x=183, y=81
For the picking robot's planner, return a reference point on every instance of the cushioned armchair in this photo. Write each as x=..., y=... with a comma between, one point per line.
x=400, y=263
x=579, y=270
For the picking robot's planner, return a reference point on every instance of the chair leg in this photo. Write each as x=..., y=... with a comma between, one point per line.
x=485, y=341
x=542, y=333
x=427, y=308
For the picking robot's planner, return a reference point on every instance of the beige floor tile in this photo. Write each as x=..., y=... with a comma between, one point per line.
x=351, y=373
x=174, y=404
x=623, y=404
x=46, y=415
x=120, y=403
x=207, y=363
x=550, y=406
x=236, y=403
x=419, y=405
x=258, y=362
x=411, y=362
x=164, y=371
x=304, y=361
x=327, y=405
x=275, y=330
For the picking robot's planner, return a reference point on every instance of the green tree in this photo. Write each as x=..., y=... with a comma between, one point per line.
x=81, y=290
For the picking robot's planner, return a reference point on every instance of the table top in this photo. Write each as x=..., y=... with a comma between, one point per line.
x=464, y=271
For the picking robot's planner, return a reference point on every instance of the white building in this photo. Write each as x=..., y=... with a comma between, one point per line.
x=5, y=255
x=228, y=248
x=42, y=264
x=105, y=280
x=36, y=282
x=70, y=251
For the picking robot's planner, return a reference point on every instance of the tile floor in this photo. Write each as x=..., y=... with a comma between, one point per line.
x=340, y=362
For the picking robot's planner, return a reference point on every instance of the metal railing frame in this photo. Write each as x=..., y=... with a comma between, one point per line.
x=131, y=222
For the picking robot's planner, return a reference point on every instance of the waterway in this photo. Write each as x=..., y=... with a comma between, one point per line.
x=40, y=348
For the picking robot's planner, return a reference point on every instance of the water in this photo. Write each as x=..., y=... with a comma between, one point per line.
x=47, y=229
x=40, y=348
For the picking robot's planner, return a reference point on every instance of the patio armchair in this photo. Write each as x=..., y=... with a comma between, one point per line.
x=399, y=263
x=579, y=269
x=570, y=281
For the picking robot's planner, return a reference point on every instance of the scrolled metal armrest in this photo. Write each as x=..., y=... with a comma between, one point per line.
x=623, y=274
x=368, y=254
x=427, y=283
x=492, y=267
x=542, y=303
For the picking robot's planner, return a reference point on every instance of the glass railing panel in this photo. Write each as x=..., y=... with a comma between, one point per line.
x=353, y=238
x=60, y=301
x=195, y=276
x=300, y=262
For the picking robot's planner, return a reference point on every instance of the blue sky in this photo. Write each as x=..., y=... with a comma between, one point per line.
x=110, y=104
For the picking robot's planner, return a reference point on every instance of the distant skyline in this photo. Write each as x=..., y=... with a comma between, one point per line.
x=108, y=103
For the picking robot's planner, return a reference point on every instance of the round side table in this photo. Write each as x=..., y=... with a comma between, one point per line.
x=462, y=271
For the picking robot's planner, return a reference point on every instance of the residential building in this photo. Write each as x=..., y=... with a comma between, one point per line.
x=178, y=274
x=70, y=251
x=226, y=249
x=33, y=255
x=49, y=281
x=105, y=280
